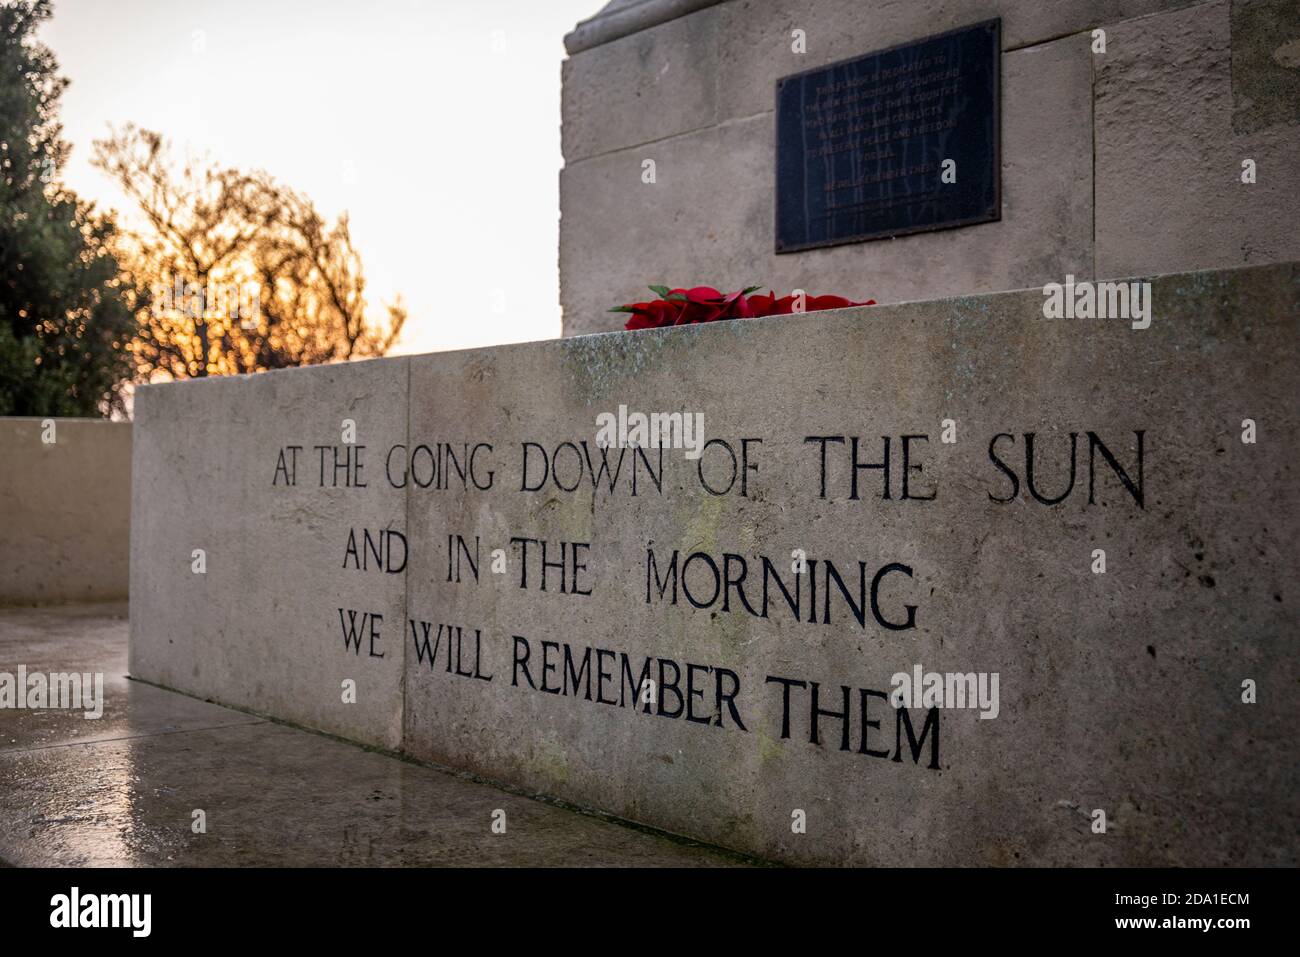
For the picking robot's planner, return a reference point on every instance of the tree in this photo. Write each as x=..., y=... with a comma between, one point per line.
x=246, y=275
x=66, y=313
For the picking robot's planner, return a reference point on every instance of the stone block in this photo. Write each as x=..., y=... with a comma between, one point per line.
x=1171, y=140
x=281, y=616
x=66, y=508
x=641, y=88
x=1120, y=691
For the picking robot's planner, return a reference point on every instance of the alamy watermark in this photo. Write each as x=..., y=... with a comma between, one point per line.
x=654, y=430
x=1101, y=300
x=240, y=302
x=57, y=690
x=933, y=689
x=75, y=909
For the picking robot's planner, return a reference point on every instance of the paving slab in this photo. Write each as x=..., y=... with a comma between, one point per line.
x=90, y=640
x=126, y=793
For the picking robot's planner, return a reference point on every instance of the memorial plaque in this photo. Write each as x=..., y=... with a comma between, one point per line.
x=900, y=141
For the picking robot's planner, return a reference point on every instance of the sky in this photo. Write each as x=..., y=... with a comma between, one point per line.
x=434, y=123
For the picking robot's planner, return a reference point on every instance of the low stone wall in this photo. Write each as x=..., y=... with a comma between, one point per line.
x=65, y=510
x=1095, y=522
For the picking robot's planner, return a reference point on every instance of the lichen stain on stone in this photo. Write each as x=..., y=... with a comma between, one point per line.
x=565, y=518
x=550, y=759
x=699, y=519
x=748, y=536
x=966, y=317
x=961, y=307
x=602, y=365
x=769, y=749
x=1288, y=55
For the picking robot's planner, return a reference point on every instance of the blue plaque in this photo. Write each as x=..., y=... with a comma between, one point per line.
x=900, y=141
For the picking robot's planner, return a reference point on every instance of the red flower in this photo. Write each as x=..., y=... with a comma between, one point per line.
x=679, y=307
x=651, y=315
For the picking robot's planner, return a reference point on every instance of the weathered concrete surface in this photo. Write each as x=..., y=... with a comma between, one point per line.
x=273, y=796
x=65, y=511
x=1184, y=92
x=1175, y=121
x=617, y=83
x=261, y=629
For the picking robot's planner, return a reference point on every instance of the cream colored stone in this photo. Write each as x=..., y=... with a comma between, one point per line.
x=1169, y=161
x=1119, y=691
x=65, y=510
x=261, y=628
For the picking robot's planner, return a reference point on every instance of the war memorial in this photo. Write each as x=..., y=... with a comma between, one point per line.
x=940, y=508
x=998, y=570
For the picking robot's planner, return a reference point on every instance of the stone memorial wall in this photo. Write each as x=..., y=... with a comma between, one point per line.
x=1072, y=538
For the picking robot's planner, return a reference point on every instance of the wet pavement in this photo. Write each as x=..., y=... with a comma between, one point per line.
x=124, y=789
